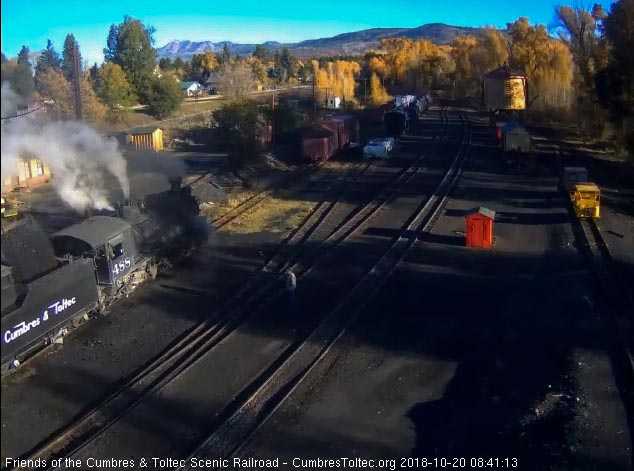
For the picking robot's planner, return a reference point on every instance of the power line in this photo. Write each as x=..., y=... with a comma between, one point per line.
x=24, y=114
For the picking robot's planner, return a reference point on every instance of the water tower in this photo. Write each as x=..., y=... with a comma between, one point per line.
x=504, y=92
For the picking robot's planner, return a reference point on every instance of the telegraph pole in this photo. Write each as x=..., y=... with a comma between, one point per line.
x=77, y=77
x=314, y=101
x=365, y=91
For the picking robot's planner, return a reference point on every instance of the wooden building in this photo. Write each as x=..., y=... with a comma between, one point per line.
x=147, y=138
x=29, y=173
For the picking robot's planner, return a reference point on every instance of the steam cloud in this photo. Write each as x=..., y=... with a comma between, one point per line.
x=10, y=100
x=80, y=158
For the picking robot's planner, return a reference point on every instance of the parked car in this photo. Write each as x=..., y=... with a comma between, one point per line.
x=213, y=91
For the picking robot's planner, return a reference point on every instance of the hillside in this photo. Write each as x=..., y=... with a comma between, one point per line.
x=347, y=43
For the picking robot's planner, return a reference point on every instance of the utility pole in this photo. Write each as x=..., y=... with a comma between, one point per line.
x=77, y=77
x=314, y=101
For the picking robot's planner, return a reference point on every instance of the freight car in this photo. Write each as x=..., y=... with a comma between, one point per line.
x=333, y=135
x=48, y=288
x=396, y=122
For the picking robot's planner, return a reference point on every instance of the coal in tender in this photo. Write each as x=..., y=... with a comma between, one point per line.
x=26, y=248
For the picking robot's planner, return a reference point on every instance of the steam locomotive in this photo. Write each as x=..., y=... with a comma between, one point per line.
x=50, y=285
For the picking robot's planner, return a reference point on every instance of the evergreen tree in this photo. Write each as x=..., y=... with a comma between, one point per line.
x=165, y=64
x=4, y=58
x=130, y=45
x=287, y=62
x=261, y=52
x=163, y=96
x=225, y=56
x=67, y=57
x=47, y=60
x=94, y=75
x=615, y=83
x=22, y=81
x=110, y=51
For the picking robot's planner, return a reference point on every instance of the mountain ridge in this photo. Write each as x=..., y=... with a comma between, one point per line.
x=351, y=43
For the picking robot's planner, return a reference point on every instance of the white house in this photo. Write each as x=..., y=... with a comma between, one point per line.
x=191, y=88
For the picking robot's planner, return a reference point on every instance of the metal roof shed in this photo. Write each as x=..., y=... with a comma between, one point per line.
x=479, y=227
x=516, y=138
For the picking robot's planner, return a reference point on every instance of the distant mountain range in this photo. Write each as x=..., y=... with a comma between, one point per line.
x=347, y=43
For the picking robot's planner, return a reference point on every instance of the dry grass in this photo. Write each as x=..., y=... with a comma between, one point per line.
x=189, y=108
x=277, y=214
x=215, y=210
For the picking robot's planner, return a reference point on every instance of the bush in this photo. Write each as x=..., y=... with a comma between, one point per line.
x=238, y=126
x=285, y=119
x=163, y=96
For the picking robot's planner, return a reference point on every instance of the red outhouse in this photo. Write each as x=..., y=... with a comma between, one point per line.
x=479, y=230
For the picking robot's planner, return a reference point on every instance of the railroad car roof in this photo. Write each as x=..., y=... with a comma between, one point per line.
x=95, y=230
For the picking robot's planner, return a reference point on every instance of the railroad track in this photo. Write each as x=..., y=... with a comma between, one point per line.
x=616, y=295
x=179, y=357
x=618, y=298
x=258, y=198
x=254, y=405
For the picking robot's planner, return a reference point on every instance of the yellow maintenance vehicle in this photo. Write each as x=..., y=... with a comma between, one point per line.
x=9, y=208
x=586, y=200
x=585, y=196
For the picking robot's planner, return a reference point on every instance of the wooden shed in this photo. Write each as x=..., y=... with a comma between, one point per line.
x=479, y=227
x=147, y=138
x=515, y=138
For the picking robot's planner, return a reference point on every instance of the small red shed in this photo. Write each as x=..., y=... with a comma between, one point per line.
x=479, y=227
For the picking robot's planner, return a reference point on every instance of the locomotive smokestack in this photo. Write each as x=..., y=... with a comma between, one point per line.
x=175, y=184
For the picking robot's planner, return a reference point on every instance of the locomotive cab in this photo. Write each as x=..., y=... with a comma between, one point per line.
x=107, y=240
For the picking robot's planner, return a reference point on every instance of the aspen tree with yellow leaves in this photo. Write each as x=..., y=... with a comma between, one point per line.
x=336, y=79
x=378, y=93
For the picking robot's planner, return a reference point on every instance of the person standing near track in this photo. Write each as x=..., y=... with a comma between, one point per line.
x=291, y=284
x=291, y=281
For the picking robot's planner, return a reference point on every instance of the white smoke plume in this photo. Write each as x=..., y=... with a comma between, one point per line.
x=10, y=100
x=79, y=157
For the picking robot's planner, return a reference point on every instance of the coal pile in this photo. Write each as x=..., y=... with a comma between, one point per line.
x=26, y=248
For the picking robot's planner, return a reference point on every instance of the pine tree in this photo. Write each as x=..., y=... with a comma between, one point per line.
x=48, y=59
x=130, y=45
x=67, y=57
x=260, y=52
x=110, y=51
x=225, y=56
x=23, y=83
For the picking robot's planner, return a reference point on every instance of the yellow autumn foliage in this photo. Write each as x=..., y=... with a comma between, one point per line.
x=336, y=79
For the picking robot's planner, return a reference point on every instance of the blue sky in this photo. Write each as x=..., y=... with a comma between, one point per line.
x=32, y=22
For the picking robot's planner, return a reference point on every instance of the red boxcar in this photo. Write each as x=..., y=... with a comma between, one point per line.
x=345, y=129
x=316, y=144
